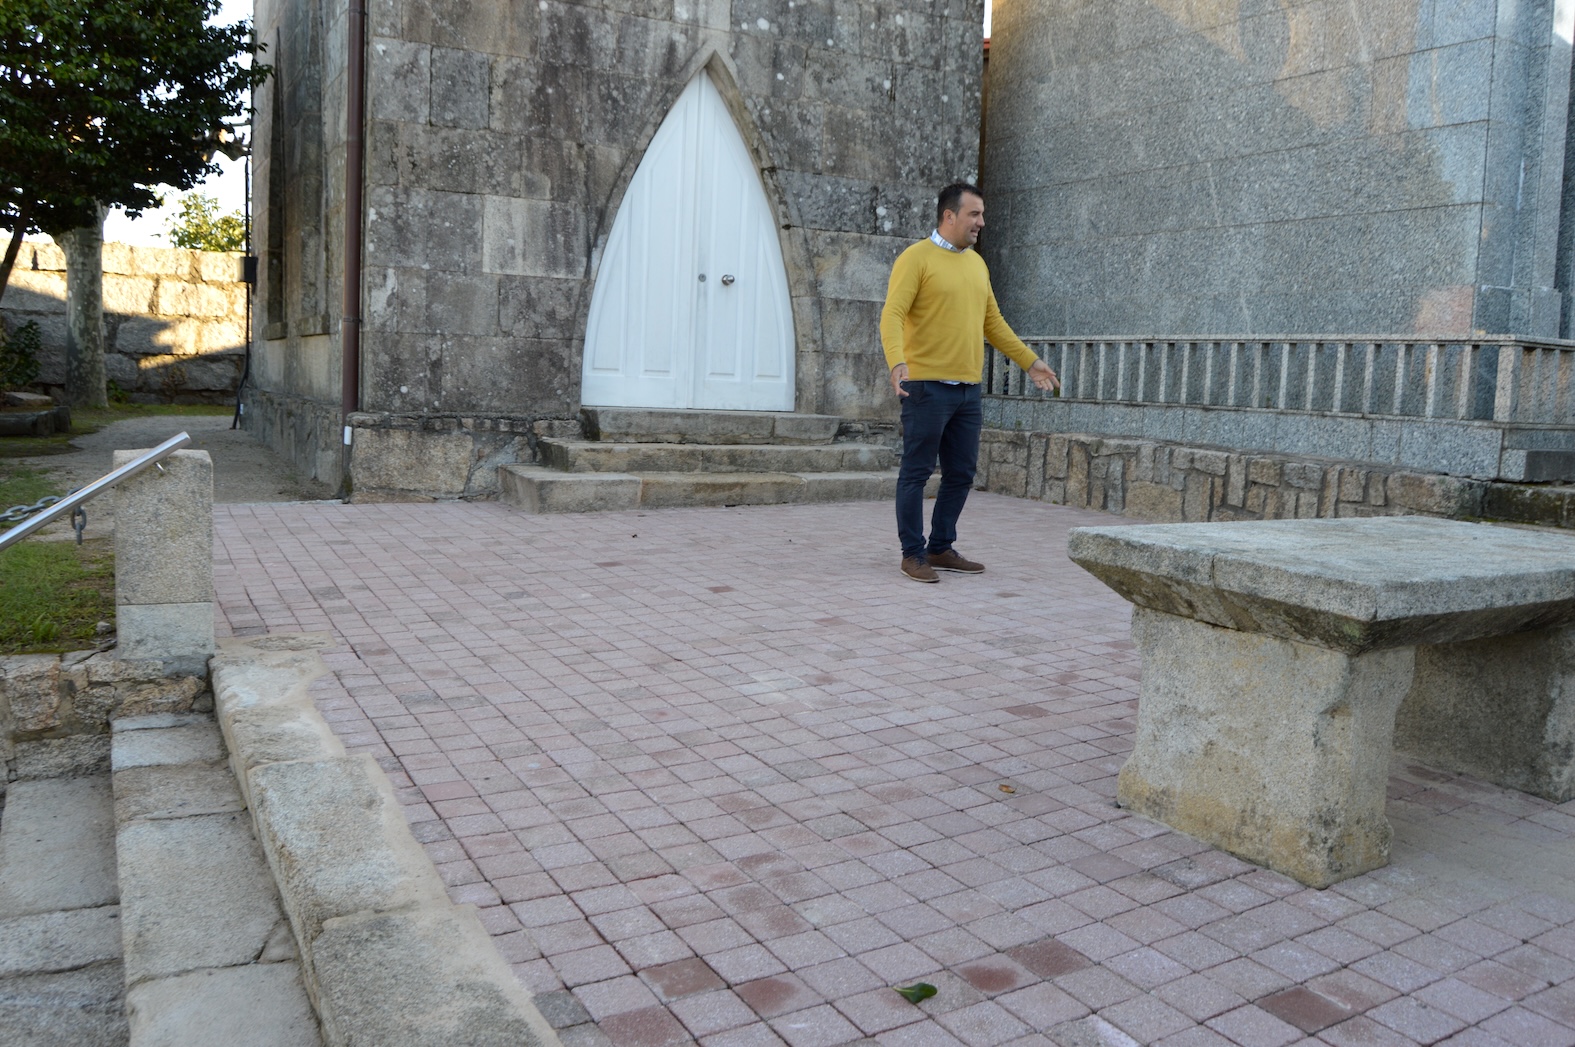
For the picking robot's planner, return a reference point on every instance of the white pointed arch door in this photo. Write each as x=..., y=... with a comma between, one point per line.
x=691, y=304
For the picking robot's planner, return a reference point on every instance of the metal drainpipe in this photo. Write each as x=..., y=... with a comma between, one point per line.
x=350, y=376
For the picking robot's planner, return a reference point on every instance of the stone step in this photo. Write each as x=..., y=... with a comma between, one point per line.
x=61, y=980
x=673, y=490
x=588, y=456
x=209, y=955
x=56, y=846
x=650, y=425
x=536, y=489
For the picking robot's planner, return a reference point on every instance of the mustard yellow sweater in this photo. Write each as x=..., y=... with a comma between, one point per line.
x=939, y=310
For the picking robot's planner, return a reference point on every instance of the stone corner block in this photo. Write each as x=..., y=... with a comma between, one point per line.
x=338, y=843
x=417, y=978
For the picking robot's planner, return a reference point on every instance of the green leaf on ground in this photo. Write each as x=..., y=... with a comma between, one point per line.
x=916, y=992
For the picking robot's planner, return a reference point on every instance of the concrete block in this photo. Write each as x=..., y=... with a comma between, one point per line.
x=1274, y=750
x=180, y=635
x=195, y=892
x=336, y=838
x=131, y=295
x=433, y=464
x=164, y=531
x=671, y=490
x=176, y=792
x=1154, y=502
x=172, y=696
x=1501, y=708
x=848, y=487
x=180, y=298
x=1264, y=471
x=59, y=941
x=187, y=743
x=263, y=702
x=259, y=1004
x=532, y=238
x=1351, y=585
x=53, y=846
x=218, y=267
x=78, y=755
x=30, y=684
x=538, y=490
x=411, y=979
x=78, y=1008
x=1436, y=495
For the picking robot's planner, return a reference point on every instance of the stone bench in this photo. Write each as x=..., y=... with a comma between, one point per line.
x=1284, y=660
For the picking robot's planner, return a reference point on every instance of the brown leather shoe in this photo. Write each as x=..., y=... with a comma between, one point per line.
x=915, y=567
x=951, y=560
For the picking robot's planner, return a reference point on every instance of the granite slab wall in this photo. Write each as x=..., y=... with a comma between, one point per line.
x=174, y=320
x=500, y=140
x=1267, y=166
x=1165, y=482
x=1480, y=449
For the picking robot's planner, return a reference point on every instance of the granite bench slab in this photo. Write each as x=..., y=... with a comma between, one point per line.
x=1279, y=655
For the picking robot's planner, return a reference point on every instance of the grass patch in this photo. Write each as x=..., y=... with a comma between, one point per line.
x=84, y=421
x=23, y=487
x=53, y=594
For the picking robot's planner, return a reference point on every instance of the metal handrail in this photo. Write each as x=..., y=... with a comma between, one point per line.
x=70, y=502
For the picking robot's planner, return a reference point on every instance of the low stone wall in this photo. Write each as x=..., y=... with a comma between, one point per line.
x=174, y=320
x=55, y=710
x=1173, y=483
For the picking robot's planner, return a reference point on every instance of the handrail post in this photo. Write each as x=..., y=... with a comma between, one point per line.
x=164, y=564
x=97, y=487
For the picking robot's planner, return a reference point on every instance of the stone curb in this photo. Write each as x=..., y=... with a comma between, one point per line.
x=387, y=958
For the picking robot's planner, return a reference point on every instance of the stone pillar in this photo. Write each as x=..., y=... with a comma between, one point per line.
x=164, y=562
x=1502, y=709
x=1276, y=750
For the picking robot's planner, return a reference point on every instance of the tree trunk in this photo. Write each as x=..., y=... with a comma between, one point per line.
x=13, y=248
x=85, y=378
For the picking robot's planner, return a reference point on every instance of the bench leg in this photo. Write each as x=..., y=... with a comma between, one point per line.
x=1274, y=750
x=1502, y=709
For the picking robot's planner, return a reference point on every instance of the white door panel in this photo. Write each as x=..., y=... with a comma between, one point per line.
x=691, y=305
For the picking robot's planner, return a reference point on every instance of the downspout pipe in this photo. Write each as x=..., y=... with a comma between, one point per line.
x=350, y=323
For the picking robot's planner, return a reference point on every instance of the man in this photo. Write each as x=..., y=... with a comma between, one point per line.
x=939, y=310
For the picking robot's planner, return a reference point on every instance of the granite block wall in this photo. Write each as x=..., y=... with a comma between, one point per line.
x=1174, y=482
x=500, y=139
x=1275, y=167
x=174, y=320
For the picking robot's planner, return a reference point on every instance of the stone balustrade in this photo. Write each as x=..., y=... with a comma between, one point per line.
x=1488, y=408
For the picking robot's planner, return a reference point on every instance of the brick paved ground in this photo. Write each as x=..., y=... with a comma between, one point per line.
x=722, y=775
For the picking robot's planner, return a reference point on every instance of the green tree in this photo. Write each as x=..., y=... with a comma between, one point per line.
x=100, y=102
x=199, y=226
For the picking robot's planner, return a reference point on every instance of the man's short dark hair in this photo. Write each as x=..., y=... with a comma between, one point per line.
x=951, y=198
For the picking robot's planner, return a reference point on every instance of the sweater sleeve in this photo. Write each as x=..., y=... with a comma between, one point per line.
x=901, y=289
x=1000, y=335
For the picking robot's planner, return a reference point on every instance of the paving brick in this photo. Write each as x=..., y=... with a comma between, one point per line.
x=676, y=782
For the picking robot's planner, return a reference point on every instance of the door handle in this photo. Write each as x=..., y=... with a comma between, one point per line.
x=727, y=281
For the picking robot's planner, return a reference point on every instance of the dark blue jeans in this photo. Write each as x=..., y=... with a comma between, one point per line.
x=940, y=422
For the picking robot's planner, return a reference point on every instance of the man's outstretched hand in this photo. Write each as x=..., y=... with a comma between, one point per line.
x=899, y=374
x=1042, y=377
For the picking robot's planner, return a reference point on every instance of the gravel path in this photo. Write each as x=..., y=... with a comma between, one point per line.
x=243, y=469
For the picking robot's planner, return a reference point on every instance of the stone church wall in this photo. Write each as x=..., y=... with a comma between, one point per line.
x=1174, y=167
x=500, y=139
x=174, y=320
